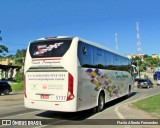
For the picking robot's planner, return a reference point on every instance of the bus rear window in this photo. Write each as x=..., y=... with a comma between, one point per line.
x=49, y=48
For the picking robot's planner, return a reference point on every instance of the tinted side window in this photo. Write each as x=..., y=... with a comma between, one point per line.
x=85, y=53
x=108, y=58
x=99, y=56
x=141, y=80
x=116, y=59
x=93, y=57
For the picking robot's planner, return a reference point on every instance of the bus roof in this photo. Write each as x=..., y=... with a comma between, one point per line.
x=86, y=41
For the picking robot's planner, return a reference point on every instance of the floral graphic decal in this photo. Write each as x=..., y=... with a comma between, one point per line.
x=102, y=81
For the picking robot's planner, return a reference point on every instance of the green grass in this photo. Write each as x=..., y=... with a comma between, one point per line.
x=151, y=104
x=17, y=87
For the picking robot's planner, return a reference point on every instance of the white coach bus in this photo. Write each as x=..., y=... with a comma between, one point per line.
x=72, y=74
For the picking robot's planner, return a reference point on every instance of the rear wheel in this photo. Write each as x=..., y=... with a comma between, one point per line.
x=101, y=103
x=6, y=92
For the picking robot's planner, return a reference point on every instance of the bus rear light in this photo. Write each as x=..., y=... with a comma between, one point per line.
x=70, y=94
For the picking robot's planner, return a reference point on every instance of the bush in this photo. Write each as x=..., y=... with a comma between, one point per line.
x=17, y=87
x=19, y=77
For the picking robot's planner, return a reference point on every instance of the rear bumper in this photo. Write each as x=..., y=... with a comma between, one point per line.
x=68, y=106
x=142, y=86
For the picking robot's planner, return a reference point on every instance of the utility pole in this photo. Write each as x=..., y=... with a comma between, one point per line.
x=138, y=39
x=138, y=46
x=116, y=39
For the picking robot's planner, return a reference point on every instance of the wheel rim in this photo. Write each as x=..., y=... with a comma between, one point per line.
x=6, y=92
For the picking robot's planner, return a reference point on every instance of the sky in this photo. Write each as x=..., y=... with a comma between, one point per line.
x=22, y=21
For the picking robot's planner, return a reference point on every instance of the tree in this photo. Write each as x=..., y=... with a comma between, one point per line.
x=136, y=60
x=19, y=57
x=148, y=61
x=3, y=50
x=19, y=77
x=10, y=56
x=21, y=53
x=145, y=56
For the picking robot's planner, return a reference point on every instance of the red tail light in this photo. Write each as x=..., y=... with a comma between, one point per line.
x=25, y=86
x=70, y=94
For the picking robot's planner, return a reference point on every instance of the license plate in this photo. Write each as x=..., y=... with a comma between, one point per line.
x=44, y=96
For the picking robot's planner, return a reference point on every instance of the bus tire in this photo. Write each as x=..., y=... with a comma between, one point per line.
x=129, y=91
x=101, y=102
x=94, y=110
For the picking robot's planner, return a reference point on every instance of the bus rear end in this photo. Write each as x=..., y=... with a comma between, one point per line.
x=50, y=75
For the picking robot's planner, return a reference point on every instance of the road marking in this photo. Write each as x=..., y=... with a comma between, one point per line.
x=118, y=113
x=122, y=104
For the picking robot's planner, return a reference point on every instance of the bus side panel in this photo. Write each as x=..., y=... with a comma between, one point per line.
x=101, y=69
x=87, y=96
x=93, y=80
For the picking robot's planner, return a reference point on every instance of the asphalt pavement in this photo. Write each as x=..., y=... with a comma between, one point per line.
x=12, y=107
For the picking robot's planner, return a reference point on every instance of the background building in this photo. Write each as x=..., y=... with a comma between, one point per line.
x=8, y=69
